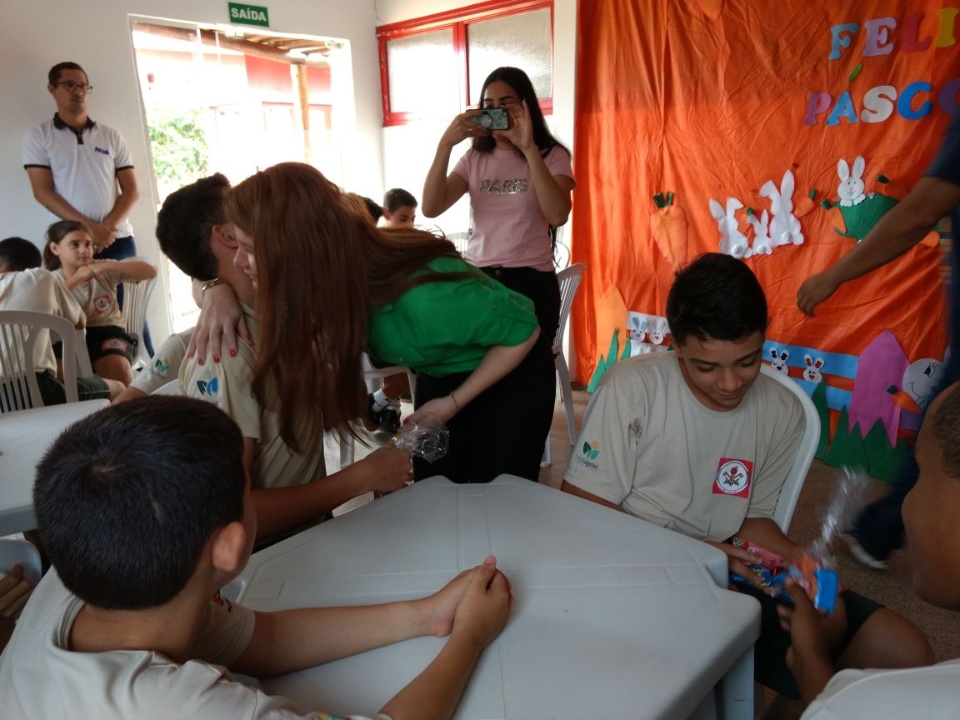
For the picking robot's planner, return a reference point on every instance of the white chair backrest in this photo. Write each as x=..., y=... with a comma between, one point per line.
x=136, y=297
x=20, y=331
x=569, y=279
x=20, y=552
x=373, y=374
x=792, y=486
x=84, y=366
x=170, y=388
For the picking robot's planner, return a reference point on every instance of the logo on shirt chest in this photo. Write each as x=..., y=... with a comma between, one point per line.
x=733, y=478
x=102, y=151
x=504, y=187
x=102, y=304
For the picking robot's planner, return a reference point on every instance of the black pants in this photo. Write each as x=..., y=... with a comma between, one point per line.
x=122, y=249
x=503, y=430
x=541, y=287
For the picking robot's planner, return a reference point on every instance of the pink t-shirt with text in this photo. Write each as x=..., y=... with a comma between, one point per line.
x=508, y=227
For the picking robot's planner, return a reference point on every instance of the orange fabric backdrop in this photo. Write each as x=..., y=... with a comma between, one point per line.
x=710, y=99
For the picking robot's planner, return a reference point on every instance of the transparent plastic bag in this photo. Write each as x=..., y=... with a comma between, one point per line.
x=426, y=437
x=815, y=571
x=848, y=499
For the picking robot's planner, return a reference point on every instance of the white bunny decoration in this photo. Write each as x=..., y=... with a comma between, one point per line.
x=811, y=372
x=732, y=241
x=851, y=185
x=659, y=330
x=784, y=225
x=780, y=358
x=761, y=238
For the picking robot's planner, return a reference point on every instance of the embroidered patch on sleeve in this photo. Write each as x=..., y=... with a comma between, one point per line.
x=733, y=478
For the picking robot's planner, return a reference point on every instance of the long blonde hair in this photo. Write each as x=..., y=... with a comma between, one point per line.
x=322, y=267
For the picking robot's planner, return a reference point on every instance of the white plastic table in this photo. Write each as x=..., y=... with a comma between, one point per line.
x=614, y=617
x=25, y=436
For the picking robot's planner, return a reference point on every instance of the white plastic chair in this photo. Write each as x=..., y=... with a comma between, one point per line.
x=790, y=492
x=569, y=279
x=170, y=388
x=136, y=297
x=371, y=376
x=20, y=331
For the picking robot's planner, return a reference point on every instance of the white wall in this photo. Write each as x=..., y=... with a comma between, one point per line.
x=408, y=150
x=36, y=34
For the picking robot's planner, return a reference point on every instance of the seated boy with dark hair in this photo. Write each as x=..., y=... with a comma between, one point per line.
x=24, y=285
x=145, y=513
x=399, y=208
x=698, y=441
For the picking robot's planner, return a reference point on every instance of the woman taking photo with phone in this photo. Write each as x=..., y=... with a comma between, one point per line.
x=519, y=180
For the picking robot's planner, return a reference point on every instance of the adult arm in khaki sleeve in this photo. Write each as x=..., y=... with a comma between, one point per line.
x=287, y=508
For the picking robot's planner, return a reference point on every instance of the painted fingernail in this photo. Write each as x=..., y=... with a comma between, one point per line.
x=216, y=358
x=233, y=352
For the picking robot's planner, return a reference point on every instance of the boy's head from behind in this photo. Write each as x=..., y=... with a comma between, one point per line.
x=717, y=314
x=399, y=208
x=186, y=222
x=17, y=254
x=932, y=508
x=127, y=499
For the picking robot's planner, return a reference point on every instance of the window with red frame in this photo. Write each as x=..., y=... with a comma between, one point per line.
x=434, y=66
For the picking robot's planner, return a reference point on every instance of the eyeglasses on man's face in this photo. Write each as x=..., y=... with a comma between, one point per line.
x=72, y=86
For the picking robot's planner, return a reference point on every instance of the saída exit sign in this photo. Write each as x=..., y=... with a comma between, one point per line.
x=248, y=14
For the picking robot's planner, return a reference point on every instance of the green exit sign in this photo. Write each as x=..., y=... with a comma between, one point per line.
x=249, y=14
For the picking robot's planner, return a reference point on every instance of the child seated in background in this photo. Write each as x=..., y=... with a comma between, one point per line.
x=383, y=406
x=69, y=252
x=144, y=510
x=24, y=285
x=399, y=209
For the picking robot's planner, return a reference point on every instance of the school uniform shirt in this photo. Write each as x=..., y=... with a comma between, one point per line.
x=84, y=165
x=507, y=225
x=42, y=679
x=39, y=290
x=166, y=364
x=649, y=445
x=923, y=693
x=446, y=327
x=228, y=384
x=98, y=297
